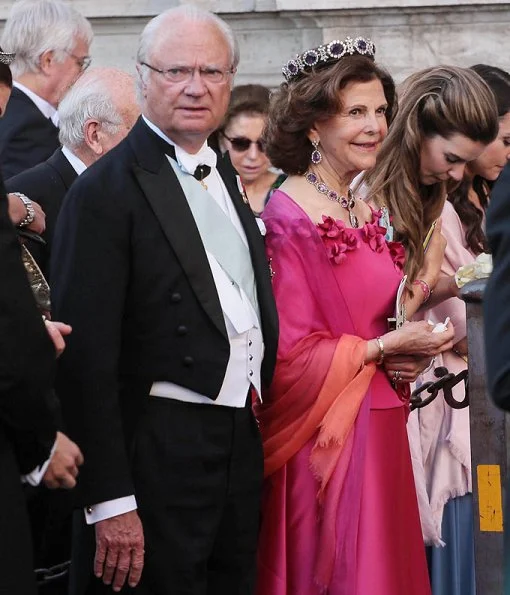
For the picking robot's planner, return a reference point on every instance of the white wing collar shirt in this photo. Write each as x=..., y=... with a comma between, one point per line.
x=76, y=163
x=240, y=315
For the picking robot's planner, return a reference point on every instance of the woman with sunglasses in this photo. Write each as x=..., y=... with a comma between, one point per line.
x=447, y=116
x=241, y=134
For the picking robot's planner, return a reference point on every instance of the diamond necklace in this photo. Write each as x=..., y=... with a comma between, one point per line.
x=346, y=202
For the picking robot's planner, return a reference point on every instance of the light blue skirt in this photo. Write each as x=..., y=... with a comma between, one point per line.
x=452, y=568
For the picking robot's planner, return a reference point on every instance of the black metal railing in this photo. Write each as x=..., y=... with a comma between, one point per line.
x=429, y=391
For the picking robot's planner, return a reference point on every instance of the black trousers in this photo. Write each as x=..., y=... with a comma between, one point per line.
x=16, y=563
x=198, y=474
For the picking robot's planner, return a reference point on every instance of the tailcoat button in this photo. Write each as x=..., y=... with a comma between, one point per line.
x=176, y=297
x=182, y=330
x=188, y=361
x=89, y=509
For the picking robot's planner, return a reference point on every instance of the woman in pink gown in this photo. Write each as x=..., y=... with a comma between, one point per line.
x=339, y=512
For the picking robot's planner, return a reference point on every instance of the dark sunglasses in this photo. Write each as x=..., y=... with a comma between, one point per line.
x=242, y=144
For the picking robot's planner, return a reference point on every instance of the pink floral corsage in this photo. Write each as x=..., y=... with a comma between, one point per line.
x=374, y=235
x=338, y=239
x=398, y=254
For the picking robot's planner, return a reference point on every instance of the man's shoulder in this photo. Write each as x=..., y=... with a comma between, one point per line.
x=108, y=176
x=33, y=178
x=20, y=109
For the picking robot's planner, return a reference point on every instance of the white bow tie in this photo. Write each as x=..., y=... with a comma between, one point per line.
x=188, y=163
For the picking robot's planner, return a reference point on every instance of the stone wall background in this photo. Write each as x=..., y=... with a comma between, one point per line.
x=409, y=34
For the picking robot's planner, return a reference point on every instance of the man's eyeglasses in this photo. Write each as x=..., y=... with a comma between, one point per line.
x=83, y=63
x=183, y=74
x=242, y=144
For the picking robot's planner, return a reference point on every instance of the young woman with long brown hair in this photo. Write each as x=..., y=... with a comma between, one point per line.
x=439, y=434
x=446, y=118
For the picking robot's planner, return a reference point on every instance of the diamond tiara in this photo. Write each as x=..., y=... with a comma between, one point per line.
x=6, y=58
x=329, y=52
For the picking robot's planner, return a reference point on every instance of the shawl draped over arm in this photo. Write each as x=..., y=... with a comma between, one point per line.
x=320, y=382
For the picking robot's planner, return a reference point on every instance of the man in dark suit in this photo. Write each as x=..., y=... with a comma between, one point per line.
x=29, y=442
x=496, y=299
x=159, y=265
x=51, y=40
x=95, y=115
x=496, y=313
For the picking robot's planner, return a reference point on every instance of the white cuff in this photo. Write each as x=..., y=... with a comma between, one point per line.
x=34, y=477
x=110, y=508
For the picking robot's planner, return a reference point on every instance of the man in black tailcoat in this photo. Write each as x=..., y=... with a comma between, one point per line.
x=159, y=266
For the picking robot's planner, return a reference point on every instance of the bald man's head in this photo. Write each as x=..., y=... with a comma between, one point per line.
x=98, y=112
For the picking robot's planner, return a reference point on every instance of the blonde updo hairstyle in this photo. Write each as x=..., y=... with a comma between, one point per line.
x=440, y=101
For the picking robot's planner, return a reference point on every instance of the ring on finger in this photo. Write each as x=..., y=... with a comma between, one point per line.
x=396, y=376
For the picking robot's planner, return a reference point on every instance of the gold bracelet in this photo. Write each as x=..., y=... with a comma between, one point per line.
x=380, y=344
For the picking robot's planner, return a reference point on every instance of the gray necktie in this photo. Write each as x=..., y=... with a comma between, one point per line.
x=219, y=235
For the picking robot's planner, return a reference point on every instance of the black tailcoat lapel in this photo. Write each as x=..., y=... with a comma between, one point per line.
x=166, y=197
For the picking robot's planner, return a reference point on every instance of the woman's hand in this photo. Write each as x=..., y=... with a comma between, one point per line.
x=406, y=368
x=434, y=255
x=417, y=338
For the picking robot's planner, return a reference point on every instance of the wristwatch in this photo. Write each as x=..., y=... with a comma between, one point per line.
x=30, y=216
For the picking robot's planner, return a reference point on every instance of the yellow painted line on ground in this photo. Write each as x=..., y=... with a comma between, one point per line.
x=489, y=498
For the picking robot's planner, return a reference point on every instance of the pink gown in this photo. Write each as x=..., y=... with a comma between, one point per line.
x=331, y=281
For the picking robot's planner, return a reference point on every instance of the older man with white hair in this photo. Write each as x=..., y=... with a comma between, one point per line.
x=51, y=41
x=162, y=275
x=95, y=115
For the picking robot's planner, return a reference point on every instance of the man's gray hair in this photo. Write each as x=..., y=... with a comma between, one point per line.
x=91, y=98
x=36, y=26
x=187, y=12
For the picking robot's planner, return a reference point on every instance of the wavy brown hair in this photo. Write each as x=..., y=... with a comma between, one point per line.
x=297, y=105
x=471, y=216
x=440, y=101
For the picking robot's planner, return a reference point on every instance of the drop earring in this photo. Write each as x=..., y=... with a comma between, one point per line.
x=316, y=156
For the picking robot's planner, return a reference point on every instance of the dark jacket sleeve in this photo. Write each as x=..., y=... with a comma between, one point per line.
x=27, y=356
x=497, y=295
x=90, y=264
x=44, y=185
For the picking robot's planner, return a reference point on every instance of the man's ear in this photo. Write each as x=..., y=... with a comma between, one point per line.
x=46, y=60
x=139, y=71
x=92, y=133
